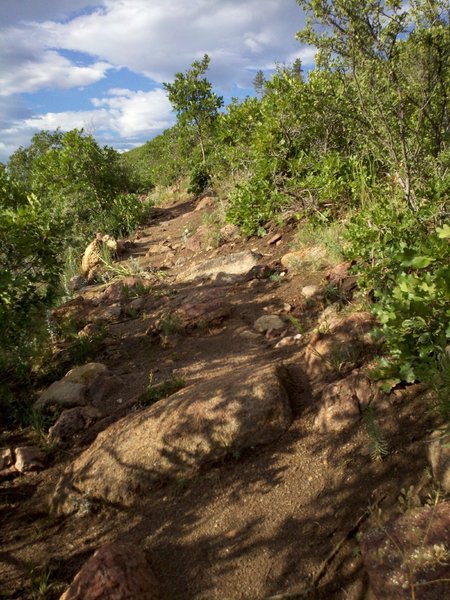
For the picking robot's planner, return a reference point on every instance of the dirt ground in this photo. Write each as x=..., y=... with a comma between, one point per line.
x=279, y=521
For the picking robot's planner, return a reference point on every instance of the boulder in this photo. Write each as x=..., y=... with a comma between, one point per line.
x=238, y=263
x=29, y=458
x=177, y=436
x=108, y=313
x=439, y=457
x=117, y=571
x=72, y=421
x=343, y=402
x=345, y=344
x=269, y=323
x=409, y=556
x=93, y=255
x=87, y=374
x=194, y=242
x=87, y=384
x=64, y=393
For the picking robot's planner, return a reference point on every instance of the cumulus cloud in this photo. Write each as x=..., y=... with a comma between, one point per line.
x=75, y=43
x=122, y=114
x=162, y=37
x=27, y=65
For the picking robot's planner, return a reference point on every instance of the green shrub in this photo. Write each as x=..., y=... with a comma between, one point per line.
x=404, y=261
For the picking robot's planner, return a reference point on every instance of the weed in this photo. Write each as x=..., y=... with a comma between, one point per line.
x=296, y=323
x=155, y=392
x=40, y=423
x=40, y=584
x=212, y=223
x=170, y=324
x=379, y=446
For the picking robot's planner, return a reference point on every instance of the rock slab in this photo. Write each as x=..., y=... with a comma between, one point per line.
x=175, y=437
x=117, y=571
x=238, y=263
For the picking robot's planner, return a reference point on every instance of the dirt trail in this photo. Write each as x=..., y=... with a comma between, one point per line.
x=277, y=521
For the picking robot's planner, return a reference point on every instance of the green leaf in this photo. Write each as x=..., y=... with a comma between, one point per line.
x=418, y=262
x=389, y=384
x=443, y=232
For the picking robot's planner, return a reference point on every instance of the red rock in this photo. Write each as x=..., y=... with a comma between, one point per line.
x=343, y=402
x=201, y=314
x=117, y=571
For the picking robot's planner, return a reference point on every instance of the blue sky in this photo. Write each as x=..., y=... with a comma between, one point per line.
x=100, y=64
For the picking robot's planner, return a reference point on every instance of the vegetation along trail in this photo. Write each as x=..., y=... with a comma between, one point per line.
x=224, y=371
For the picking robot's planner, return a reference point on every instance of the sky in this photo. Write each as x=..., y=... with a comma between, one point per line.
x=100, y=64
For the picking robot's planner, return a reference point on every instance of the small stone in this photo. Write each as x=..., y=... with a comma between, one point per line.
x=268, y=323
x=274, y=239
x=6, y=458
x=229, y=233
x=157, y=249
x=29, y=458
x=289, y=340
x=309, y=291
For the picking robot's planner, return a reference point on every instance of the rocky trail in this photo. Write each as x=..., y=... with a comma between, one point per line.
x=224, y=442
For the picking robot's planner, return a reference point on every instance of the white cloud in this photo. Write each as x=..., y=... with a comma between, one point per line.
x=130, y=116
x=154, y=38
x=28, y=65
x=162, y=37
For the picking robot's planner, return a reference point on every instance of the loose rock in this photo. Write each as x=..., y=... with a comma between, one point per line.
x=117, y=571
x=229, y=233
x=6, y=458
x=29, y=458
x=309, y=291
x=268, y=323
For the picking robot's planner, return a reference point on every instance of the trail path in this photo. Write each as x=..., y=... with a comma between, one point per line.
x=277, y=520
